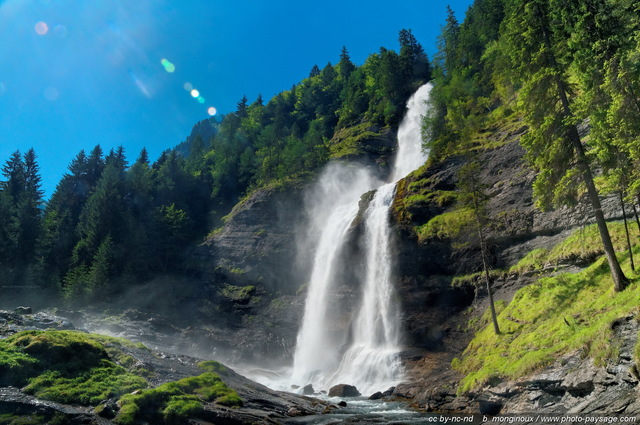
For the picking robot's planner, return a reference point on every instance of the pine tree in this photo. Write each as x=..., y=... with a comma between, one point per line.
x=414, y=64
x=61, y=217
x=102, y=215
x=29, y=212
x=241, y=107
x=345, y=66
x=474, y=197
x=553, y=142
x=315, y=71
x=448, y=43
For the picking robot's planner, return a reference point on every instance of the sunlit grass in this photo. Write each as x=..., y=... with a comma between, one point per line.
x=555, y=315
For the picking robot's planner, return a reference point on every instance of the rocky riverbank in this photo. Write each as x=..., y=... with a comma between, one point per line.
x=259, y=404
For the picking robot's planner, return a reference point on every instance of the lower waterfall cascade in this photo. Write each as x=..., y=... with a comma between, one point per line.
x=368, y=355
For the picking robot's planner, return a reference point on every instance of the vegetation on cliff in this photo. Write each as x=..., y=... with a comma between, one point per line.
x=564, y=72
x=573, y=312
x=555, y=65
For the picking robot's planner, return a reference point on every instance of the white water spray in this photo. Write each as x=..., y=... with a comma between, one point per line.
x=370, y=361
x=334, y=208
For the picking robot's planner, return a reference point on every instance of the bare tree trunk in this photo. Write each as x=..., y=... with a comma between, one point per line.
x=485, y=267
x=635, y=212
x=487, y=278
x=626, y=230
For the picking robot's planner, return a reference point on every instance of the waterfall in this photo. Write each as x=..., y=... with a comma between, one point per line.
x=333, y=207
x=369, y=356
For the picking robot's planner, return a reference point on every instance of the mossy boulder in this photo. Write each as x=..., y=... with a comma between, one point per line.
x=174, y=402
x=67, y=366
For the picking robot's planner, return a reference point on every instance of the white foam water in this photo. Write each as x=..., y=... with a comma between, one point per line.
x=371, y=358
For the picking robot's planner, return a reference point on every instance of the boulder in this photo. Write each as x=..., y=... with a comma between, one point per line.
x=344, y=390
x=23, y=310
x=308, y=390
x=376, y=396
x=489, y=404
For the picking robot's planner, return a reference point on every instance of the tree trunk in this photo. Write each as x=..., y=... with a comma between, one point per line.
x=626, y=231
x=620, y=281
x=635, y=212
x=485, y=267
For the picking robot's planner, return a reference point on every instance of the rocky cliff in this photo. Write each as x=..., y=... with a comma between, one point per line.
x=257, y=249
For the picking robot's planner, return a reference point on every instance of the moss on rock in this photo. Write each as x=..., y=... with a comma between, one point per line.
x=173, y=402
x=67, y=366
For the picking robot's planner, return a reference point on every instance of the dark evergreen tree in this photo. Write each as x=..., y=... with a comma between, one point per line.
x=553, y=142
x=345, y=66
x=241, y=107
x=315, y=71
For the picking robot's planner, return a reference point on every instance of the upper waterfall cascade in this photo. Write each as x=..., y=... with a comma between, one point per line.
x=368, y=355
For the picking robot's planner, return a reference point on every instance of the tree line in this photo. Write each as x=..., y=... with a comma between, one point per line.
x=110, y=224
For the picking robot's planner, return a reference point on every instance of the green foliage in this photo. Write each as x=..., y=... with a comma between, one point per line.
x=89, y=388
x=447, y=225
x=350, y=141
x=534, y=261
x=573, y=312
x=238, y=293
x=77, y=368
x=67, y=366
x=465, y=93
x=56, y=418
x=584, y=244
x=174, y=402
x=478, y=323
x=475, y=279
x=212, y=366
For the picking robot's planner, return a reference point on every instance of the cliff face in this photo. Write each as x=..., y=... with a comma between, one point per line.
x=258, y=248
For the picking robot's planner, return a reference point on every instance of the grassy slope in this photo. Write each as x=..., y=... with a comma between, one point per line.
x=556, y=315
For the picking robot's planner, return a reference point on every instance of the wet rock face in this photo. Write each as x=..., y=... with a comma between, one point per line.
x=258, y=243
x=515, y=220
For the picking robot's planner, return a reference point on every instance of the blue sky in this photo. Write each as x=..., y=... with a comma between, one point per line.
x=76, y=73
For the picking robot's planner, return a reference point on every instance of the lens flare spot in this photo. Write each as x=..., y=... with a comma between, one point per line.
x=201, y=99
x=168, y=66
x=212, y=111
x=51, y=93
x=195, y=93
x=60, y=31
x=41, y=28
x=188, y=86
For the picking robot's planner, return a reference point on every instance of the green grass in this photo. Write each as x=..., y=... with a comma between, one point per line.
x=173, y=402
x=475, y=279
x=585, y=244
x=446, y=225
x=67, y=366
x=34, y=419
x=533, y=261
x=582, y=246
x=238, y=293
x=572, y=312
